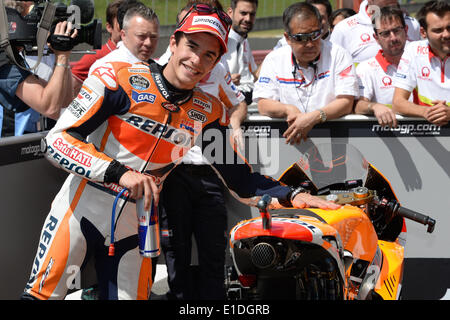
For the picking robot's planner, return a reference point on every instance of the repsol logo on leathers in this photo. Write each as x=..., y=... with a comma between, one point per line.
x=168, y=133
x=46, y=238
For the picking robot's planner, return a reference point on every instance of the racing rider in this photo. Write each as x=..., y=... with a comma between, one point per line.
x=127, y=128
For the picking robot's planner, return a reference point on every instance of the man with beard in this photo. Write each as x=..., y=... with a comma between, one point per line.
x=375, y=74
x=239, y=57
x=355, y=33
x=425, y=66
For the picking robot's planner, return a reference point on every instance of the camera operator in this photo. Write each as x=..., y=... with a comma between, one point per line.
x=21, y=90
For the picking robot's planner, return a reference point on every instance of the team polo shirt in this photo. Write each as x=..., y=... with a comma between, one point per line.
x=420, y=69
x=355, y=34
x=375, y=78
x=239, y=59
x=308, y=88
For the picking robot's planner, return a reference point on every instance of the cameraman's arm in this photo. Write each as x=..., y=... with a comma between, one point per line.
x=49, y=98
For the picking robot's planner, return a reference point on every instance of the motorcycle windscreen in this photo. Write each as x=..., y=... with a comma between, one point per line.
x=326, y=164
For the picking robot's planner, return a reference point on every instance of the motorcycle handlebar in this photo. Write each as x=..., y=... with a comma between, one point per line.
x=418, y=217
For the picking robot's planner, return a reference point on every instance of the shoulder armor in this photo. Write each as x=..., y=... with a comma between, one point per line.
x=108, y=73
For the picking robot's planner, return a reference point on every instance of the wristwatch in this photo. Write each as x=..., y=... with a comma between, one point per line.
x=323, y=116
x=296, y=191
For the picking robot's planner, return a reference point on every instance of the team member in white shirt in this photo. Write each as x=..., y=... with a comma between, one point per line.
x=375, y=74
x=140, y=35
x=356, y=32
x=239, y=57
x=308, y=81
x=425, y=66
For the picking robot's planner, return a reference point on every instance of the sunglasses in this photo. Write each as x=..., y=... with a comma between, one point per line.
x=305, y=37
x=387, y=33
x=206, y=9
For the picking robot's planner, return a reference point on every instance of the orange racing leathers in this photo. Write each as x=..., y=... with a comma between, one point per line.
x=124, y=118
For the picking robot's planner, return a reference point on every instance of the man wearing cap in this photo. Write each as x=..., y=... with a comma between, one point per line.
x=131, y=126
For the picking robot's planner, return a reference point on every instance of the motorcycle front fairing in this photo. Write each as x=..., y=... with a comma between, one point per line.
x=347, y=234
x=331, y=164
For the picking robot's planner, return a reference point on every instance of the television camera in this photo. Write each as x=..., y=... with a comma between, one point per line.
x=24, y=31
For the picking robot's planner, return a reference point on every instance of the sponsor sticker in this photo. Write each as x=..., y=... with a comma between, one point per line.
x=197, y=115
x=143, y=97
x=139, y=70
x=138, y=82
x=170, y=106
x=400, y=75
x=87, y=97
x=77, y=109
x=365, y=37
x=387, y=81
x=211, y=22
x=344, y=73
x=205, y=105
x=189, y=126
x=72, y=152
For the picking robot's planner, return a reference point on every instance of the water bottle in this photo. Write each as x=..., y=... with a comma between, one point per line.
x=148, y=230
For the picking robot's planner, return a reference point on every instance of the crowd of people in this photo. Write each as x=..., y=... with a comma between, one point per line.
x=378, y=61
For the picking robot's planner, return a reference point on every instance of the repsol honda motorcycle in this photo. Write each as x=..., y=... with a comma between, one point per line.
x=354, y=252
